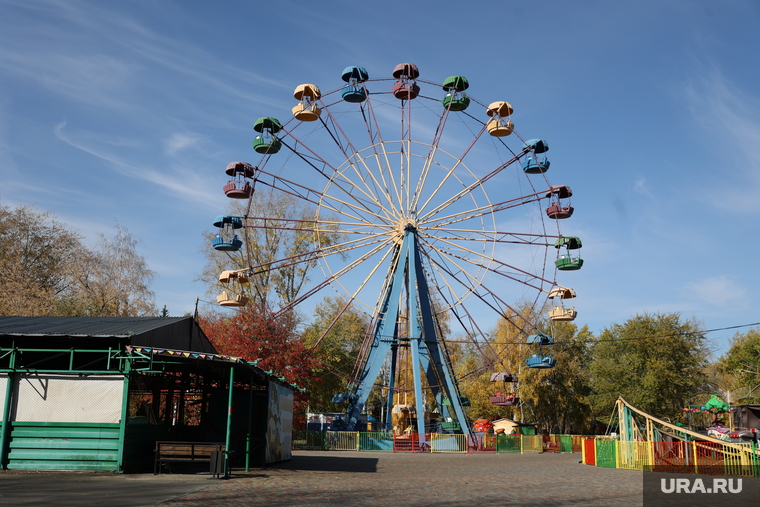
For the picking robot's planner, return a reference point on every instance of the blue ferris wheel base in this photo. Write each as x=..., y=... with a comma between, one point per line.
x=428, y=356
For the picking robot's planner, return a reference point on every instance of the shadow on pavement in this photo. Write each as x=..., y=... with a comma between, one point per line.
x=329, y=464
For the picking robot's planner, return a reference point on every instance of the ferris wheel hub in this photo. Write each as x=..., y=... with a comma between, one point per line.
x=405, y=224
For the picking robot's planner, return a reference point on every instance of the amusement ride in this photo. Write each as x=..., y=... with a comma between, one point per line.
x=431, y=213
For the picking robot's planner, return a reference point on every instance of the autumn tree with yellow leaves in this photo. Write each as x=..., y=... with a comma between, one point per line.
x=555, y=398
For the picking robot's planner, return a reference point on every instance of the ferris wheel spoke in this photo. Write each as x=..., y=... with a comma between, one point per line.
x=292, y=188
x=470, y=284
x=303, y=193
x=406, y=153
x=313, y=255
x=455, y=247
x=380, y=187
x=383, y=163
x=480, y=264
x=335, y=276
x=473, y=328
x=520, y=238
x=443, y=270
x=448, y=175
x=331, y=226
x=426, y=168
x=287, y=187
x=354, y=245
x=323, y=252
x=360, y=203
x=480, y=211
x=353, y=297
x=442, y=267
x=469, y=188
x=483, y=262
x=367, y=191
x=381, y=156
x=444, y=115
x=471, y=332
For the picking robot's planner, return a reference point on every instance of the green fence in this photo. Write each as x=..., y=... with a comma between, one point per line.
x=565, y=442
x=342, y=440
x=508, y=443
x=309, y=440
x=606, y=453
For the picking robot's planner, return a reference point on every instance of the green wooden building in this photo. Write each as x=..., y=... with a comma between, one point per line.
x=82, y=393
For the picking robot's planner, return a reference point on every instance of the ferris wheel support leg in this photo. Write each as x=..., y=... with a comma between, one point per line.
x=432, y=378
x=391, y=385
x=432, y=374
x=385, y=337
x=439, y=367
x=415, y=341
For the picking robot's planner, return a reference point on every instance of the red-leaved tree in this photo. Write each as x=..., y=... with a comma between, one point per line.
x=253, y=335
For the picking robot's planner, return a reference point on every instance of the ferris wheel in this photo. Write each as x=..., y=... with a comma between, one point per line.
x=430, y=213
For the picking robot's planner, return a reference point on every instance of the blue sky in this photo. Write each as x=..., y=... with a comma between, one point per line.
x=130, y=111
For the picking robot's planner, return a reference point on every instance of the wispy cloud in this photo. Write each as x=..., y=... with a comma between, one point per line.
x=178, y=142
x=641, y=188
x=113, y=61
x=96, y=80
x=8, y=167
x=186, y=185
x=731, y=117
x=719, y=292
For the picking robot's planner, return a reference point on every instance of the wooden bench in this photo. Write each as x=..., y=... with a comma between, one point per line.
x=190, y=452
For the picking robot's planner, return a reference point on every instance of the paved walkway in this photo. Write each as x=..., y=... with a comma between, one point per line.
x=318, y=478
x=322, y=478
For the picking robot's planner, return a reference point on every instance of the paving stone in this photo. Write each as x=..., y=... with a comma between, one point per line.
x=331, y=478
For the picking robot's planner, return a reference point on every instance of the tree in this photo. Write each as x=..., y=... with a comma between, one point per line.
x=741, y=366
x=113, y=281
x=46, y=270
x=556, y=398
x=272, y=344
x=336, y=350
x=656, y=362
x=279, y=226
x=559, y=397
x=36, y=255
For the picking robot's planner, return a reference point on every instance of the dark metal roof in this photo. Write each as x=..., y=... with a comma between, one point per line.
x=95, y=327
x=181, y=333
x=180, y=337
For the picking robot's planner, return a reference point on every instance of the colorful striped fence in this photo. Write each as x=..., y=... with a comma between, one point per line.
x=736, y=459
x=432, y=442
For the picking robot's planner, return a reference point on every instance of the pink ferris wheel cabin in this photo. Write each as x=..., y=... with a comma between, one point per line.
x=560, y=206
x=405, y=88
x=238, y=187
